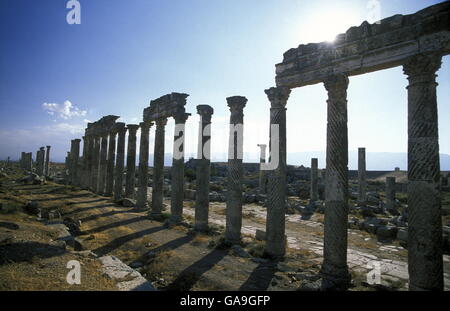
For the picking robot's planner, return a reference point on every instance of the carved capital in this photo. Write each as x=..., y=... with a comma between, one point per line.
x=132, y=129
x=422, y=65
x=336, y=84
x=205, y=111
x=181, y=118
x=145, y=126
x=278, y=96
x=161, y=122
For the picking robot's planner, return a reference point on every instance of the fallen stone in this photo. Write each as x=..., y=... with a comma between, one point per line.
x=117, y=270
x=128, y=202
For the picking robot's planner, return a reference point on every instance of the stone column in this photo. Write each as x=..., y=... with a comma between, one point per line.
x=28, y=161
x=334, y=268
x=83, y=165
x=262, y=173
x=111, y=163
x=22, y=160
x=177, y=189
x=362, y=184
x=141, y=200
x=47, y=161
x=118, y=180
x=103, y=163
x=390, y=195
x=67, y=166
x=89, y=155
x=75, y=155
x=425, y=263
x=314, y=180
x=95, y=163
x=131, y=161
x=276, y=188
x=40, y=161
x=203, y=168
x=235, y=170
x=158, y=169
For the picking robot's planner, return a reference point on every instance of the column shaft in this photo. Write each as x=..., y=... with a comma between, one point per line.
x=362, y=184
x=314, y=180
x=111, y=163
x=276, y=188
x=158, y=169
x=425, y=262
x=235, y=170
x=103, y=164
x=334, y=268
x=131, y=161
x=141, y=201
x=118, y=181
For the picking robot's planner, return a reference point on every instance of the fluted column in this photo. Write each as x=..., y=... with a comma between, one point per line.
x=362, y=183
x=41, y=159
x=88, y=155
x=141, y=198
x=203, y=168
x=425, y=263
x=158, y=169
x=177, y=189
x=390, y=195
x=314, y=180
x=118, y=174
x=103, y=163
x=334, y=268
x=75, y=157
x=47, y=162
x=111, y=162
x=83, y=168
x=262, y=173
x=95, y=163
x=131, y=161
x=235, y=170
x=276, y=190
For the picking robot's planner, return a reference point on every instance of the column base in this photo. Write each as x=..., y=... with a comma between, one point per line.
x=201, y=227
x=335, y=278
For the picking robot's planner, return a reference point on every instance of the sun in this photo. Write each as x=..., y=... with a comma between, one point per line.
x=327, y=24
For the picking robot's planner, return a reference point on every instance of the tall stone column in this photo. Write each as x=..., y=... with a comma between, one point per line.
x=141, y=200
x=111, y=163
x=235, y=170
x=83, y=165
x=158, y=169
x=75, y=155
x=314, y=180
x=118, y=177
x=22, y=160
x=334, y=268
x=28, y=161
x=131, y=161
x=103, y=163
x=390, y=195
x=362, y=183
x=276, y=188
x=262, y=173
x=67, y=166
x=41, y=163
x=47, y=161
x=177, y=189
x=88, y=156
x=95, y=163
x=203, y=168
x=425, y=263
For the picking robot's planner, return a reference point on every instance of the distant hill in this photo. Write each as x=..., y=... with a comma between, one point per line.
x=383, y=161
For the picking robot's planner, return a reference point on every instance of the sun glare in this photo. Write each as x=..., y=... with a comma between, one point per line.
x=327, y=24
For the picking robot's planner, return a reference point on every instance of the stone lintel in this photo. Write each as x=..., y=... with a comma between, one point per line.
x=369, y=47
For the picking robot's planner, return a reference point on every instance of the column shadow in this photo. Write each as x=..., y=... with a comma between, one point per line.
x=260, y=278
x=115, y=224
x=189, y=276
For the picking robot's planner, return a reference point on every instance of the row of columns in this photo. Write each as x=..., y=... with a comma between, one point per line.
x=425, y=263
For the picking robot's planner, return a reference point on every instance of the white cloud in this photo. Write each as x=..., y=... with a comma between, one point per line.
x=65, y=111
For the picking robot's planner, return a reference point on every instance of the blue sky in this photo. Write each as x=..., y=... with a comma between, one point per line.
x=125, y=53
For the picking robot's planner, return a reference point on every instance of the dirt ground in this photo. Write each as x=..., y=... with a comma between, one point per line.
x=172, y=258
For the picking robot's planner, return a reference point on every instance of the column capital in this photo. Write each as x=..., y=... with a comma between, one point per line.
x=146, y=125
x=336, y=83
x=132, y=129
x=236, y=103
x=205, y=111
x=120, y=128
x=181, y=118
x=422, y=64
x=278, y=96
x=160, y=122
